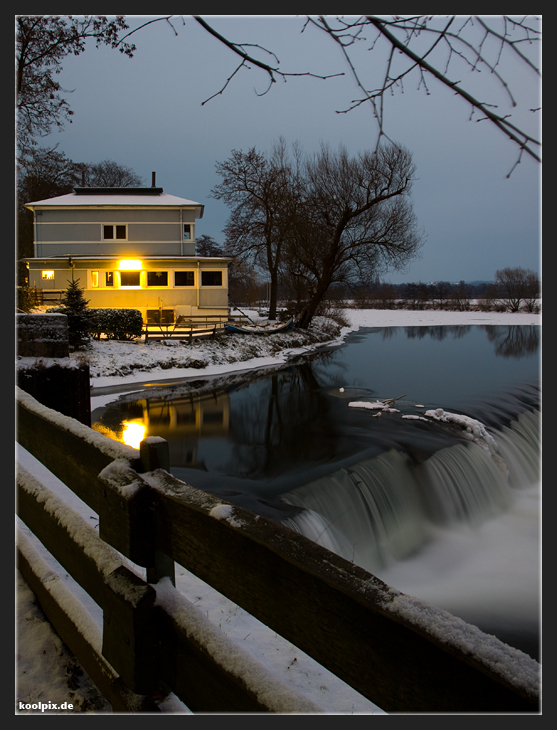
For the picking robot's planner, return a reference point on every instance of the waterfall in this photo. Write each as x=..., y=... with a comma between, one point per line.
x=367, y=511
x=384, y=509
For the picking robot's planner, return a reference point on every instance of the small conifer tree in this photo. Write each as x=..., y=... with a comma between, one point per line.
x=75, y=308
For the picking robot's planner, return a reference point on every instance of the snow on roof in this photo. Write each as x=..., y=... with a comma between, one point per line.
x=115, y=199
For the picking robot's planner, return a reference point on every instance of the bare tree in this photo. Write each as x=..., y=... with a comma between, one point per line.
x=257, y=190
x=518, y=286
x=43, y=173
x=42, y=42
x=109, y=174
x=207, y=246
x=353, y=220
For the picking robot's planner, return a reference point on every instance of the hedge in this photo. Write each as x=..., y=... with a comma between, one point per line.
x=116, y=324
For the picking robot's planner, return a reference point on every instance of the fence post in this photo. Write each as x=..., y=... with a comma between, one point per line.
x=154, y=454
x=128, y=632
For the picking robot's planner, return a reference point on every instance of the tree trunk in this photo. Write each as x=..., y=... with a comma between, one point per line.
x=273, y=294
x=308, y=312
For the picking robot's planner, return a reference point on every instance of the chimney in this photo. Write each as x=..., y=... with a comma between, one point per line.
x=153, y=178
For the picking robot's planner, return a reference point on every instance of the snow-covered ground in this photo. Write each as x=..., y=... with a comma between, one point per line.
x=45, y=670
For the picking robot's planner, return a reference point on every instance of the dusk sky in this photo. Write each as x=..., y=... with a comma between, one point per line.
x=147, y=113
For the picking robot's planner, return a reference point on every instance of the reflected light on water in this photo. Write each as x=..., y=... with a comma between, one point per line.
x=133, y=433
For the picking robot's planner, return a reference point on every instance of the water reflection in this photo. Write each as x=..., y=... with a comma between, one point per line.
x=514, y=341
x=181, y=419
x=133, y=433
x=509, y=340
x=437, y=332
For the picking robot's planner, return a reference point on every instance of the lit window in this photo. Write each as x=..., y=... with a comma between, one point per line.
x=115, y=232
x=48, y=274
x=94, y=279
x=184, y=278
x=157, y=278
x=109, y=278
x=211, y=278
x=130, y=265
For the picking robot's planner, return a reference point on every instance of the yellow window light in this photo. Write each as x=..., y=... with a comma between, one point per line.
x=48, y=274
x=130, y=265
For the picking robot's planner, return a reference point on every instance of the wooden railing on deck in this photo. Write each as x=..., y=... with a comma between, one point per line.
x=188, y=328
x=404, y=655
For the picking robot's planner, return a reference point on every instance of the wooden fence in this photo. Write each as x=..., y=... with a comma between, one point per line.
x=404, y=655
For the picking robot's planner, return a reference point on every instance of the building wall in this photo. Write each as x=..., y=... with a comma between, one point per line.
x=149, y=231
x=199, y=297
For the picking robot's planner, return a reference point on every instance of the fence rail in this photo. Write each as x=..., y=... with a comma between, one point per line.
x=403, y=655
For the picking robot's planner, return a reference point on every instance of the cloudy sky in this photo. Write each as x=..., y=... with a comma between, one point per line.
x=147, y=113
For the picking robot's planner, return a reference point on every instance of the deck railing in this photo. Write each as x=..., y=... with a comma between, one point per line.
x=189, y=328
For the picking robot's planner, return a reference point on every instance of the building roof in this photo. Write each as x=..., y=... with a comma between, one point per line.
x=117, y=257
x=116, y=197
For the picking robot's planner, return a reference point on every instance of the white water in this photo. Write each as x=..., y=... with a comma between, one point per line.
x=457, y=530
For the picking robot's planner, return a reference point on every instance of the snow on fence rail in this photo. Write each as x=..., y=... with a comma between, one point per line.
x=401, y=653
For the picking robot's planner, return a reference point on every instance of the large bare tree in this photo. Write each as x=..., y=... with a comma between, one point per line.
x=354, y=220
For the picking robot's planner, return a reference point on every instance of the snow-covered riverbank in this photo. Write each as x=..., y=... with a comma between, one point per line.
x=42, y=661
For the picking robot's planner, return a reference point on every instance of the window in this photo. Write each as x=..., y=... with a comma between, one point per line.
x=211, y=278
x=129, y=278
x=160, y=316
x=157, y=278
x=48, y=275
x=115, y=232
x=109, y=278
x=94, y=279
x=187, y=231
x=184, y=278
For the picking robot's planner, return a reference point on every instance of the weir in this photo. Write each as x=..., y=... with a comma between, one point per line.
x=384, y=512
x=379, y=510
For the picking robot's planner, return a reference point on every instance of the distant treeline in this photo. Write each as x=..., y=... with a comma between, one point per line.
x=461, y=296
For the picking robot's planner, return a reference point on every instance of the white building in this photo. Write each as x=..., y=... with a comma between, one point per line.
x=129, y=248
